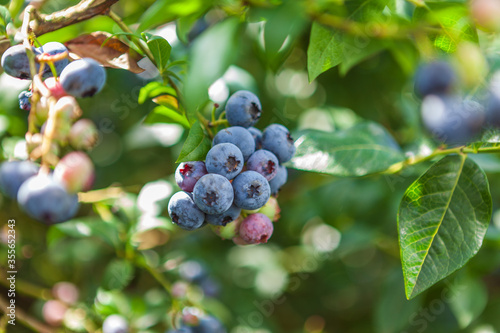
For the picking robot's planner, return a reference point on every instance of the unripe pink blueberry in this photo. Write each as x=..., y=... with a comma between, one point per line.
x=67, y=108
x=75, y=171
x=54, y=87
x=256, y=228
x=83, y=134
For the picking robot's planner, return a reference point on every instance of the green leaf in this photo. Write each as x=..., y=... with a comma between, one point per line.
x=442, y=220
x=117, y=275
x=5, y=16
x=91, y=227
x=324, y=51
x=162, y=114
x=211, y=55
x=154, y=89
x=468, y=299
x=358, y=151
x=358, y=54
x=196, y=146
x=160, y=48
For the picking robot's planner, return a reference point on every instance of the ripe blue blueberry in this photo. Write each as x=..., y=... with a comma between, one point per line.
x=13, y=174
x=184, y=212
x=209, y=324
x=83, y=78
x=452, y=120
x=225, y=159
x=53, y=48
x=24, y=100
x=15, y=62
x=115, y=324
x=263, y=162
x=224, y=218
x=279, y=180
x=46, y=200
x=238, y=136
x=434, y=78
x=213, y=194
x=251, y=190
x=188, y=173
x=257, y=136
x=493, y=103
x=276, y=138
x=243, y=108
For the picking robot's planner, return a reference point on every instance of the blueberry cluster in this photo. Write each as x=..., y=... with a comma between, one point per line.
x=194, y=321
x=241, y=171
x=449, y=117
x=48, y=193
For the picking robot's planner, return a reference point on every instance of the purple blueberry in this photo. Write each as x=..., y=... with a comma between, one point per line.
x=115, y=324
x=224, y=218
x=13, y=174
x=24, y=100
x=264, y=162
x=251, y=190
x=276, y=138
x=434, y=78
x=184, y=212
x=279, y=180
x=46, y=200
x=238, y=136
x=225, y=159
x=243, y=108
x=83, y=78
x=188, y=173
x=213, y=194
x=257, y=136
x=15, y=62
x=256, y=228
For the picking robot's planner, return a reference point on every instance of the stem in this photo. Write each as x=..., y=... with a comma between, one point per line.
x=206, y=124
x=27, y=288
x=140, y=262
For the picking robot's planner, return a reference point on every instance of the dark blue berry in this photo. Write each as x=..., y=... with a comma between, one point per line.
x=276, y=138
x=14, y=174
x=15, y=62
x=184, y=212
x=225, y=159
x=257, y=136
x=224, y=218
x=213, y=194
x=209, y=324
x=238, y=136
x=251, y=190
x=434, y=78
x=83, y=78
x=53, y=48
x=279, y=180
x=243, y=108
x=24, y=100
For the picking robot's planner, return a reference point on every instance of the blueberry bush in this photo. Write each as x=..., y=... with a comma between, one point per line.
x=250, y=166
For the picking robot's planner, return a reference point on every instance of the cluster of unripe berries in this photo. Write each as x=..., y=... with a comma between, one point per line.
x=449, y=117
x=241, y=171
x=48, y=192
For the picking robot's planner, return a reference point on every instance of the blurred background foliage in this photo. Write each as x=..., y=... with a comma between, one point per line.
x=333, y=263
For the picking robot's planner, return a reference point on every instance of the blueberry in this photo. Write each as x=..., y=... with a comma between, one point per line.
x=434, y=78
x=24, y=100
x=209, y=324
x=276, y=138
x=53, y=48
x=188, y=173
x=256, y=228
x=257, y=136
x=225, y=159
x=452, y=120
x=83, y=78
x=193, y=271
x=279, y=180
x=264, y=162
x=224, y=218
x=238, y=136
x=213, y=194
x=182, y=329
x=83, y=134
x=75, y=171
x=251, y=190
x=184, y=212
x=115, y=324
x=243, y=108
x=210, y=287
x=14, y=174
x=15, y=62
x=46, y=200
x=493, y=103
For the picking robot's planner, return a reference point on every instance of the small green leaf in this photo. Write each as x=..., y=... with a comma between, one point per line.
x=160, y=48
x=358, y=151
x=154, y=89
x=5, y=16
x=162, y=114
x=324, y=51
x=442, y=220
x=91, y=227
x=468, y=299
x=117, y=275
x=196, y=146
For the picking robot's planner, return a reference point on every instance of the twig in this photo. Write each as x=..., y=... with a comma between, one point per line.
x=26, y=319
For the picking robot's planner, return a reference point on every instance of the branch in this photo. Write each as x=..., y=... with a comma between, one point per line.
x=26, y=320
x=84, y=10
